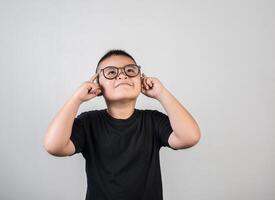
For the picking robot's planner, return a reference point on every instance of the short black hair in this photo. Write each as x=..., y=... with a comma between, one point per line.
x=114, y=52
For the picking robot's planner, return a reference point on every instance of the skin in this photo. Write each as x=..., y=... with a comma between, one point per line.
x=120, y=101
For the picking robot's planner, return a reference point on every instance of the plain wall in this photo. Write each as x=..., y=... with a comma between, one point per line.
x=215, y=57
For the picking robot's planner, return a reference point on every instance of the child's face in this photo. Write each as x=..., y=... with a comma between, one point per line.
x=113, y=90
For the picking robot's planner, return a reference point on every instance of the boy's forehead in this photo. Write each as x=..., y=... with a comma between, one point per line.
x=116, y=60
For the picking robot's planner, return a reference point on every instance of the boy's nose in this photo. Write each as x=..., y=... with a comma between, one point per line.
x=124, y=75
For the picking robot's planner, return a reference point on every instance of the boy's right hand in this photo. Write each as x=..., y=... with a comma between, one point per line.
x=88, y=90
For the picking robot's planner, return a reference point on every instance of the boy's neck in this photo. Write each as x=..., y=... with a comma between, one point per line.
x=121, y=110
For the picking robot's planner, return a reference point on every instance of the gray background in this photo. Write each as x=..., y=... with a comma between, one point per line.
x=216, y=57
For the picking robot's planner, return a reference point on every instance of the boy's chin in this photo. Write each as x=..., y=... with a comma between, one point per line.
x=122, y=97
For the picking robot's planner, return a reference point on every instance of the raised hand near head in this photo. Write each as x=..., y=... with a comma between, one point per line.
x=151, y=86
x=88, y=90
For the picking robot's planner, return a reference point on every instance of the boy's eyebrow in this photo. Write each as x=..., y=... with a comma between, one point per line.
x=119, y=67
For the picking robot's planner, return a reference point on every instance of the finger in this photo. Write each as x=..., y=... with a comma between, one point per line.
x=93, y=89
x=149, y=82
x=152, y=82
x=144, y=75
x=100, y=93
x=143, y=90
x=95, y=92
x=143, y=78
x=145, y=84
x=92, y=95
x=93, y=78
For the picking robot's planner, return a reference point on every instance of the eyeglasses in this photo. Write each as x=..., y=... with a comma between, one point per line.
x=112, y=72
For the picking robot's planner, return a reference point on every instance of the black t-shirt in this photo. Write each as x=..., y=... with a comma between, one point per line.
x=122, y=155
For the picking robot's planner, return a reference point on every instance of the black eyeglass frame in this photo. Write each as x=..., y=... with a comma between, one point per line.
x=123, y=68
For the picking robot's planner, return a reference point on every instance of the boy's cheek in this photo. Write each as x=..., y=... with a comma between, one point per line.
x=139, y=86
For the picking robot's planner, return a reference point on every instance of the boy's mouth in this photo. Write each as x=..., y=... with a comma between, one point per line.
x=123, y=84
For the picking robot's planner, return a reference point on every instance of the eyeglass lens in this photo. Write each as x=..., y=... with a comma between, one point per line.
x=112, y=72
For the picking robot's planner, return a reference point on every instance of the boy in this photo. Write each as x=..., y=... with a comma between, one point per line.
x=121, y=143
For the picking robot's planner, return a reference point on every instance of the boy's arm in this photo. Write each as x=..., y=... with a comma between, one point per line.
x=186, y=132
x=57, y=138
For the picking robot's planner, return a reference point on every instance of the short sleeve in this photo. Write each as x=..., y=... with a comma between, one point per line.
x=78, y=135
x=163, y=128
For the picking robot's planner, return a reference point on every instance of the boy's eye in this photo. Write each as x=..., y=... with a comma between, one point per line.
x=111, y=72
x=130, y=70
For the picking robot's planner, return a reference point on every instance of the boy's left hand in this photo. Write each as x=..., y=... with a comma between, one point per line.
x=151, y=87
